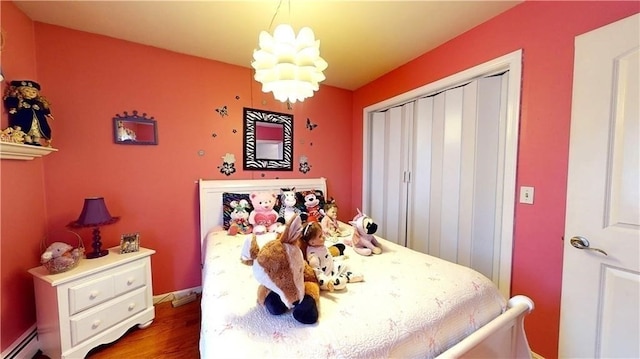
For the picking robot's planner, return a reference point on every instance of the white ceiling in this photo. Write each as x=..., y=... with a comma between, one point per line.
x=361, y=40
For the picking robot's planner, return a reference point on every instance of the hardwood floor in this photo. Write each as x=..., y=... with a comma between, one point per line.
x=174, y=333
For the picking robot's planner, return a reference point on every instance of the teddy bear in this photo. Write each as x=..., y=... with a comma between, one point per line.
x=363, y=241
x=239, y=218
x=287, y=282
x=263, y=218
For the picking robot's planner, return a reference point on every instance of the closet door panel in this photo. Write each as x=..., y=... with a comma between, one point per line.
x=394, y=189
x=437, y=145
x=377, y=165
x=487, y=149
x=420, y=187
x=467, y=173
x=451, y=174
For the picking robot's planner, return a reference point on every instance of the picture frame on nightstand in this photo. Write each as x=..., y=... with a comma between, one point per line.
x=129, y=243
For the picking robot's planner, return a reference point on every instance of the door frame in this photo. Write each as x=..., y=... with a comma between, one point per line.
x=511, y=62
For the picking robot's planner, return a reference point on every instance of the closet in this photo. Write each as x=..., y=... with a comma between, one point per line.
x=436, y=170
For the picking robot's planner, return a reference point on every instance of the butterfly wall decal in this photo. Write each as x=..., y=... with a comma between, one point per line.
x=222, y=111
x=311, y=125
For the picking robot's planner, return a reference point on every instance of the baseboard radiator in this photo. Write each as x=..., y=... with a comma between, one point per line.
x=26, y=346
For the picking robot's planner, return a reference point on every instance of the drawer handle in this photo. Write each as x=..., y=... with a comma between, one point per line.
x=96, y=324
x=94, y=294
x=130, y=281
x=131, y=306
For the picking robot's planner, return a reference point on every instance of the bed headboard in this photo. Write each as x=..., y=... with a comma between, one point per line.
x=211, y=195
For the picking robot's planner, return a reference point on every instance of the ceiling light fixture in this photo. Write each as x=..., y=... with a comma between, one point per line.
x=290, y=66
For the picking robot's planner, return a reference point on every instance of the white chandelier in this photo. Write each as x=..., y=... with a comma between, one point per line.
x=289, y=66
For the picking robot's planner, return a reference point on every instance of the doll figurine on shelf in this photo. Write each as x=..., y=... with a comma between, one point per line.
x=29, y=110
x=329, y=222
x=331, y=272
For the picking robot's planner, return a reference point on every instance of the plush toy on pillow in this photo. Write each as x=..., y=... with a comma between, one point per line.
x=239, y=218
x=363, y=241
x=286, y=279
x=288, y=203
x=263, y=217
x=312, y=205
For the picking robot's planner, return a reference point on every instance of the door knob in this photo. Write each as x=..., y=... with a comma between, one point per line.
x=582, y=243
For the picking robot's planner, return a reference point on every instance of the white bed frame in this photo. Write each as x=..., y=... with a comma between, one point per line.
x=503, y=337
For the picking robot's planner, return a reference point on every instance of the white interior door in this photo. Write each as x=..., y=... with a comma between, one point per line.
x=600, y=315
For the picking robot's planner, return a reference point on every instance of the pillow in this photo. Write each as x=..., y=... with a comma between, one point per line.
x=314, y=211
x=227, y=198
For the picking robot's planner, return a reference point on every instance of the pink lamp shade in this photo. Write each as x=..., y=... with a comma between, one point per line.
x=94, y=214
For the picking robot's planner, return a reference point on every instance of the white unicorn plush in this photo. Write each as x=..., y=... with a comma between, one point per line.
x=364, y=242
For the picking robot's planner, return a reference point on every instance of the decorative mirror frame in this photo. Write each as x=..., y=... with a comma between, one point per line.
x=251, y=162
x=135, y=118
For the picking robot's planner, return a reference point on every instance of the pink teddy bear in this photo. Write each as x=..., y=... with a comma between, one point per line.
x=263, y=217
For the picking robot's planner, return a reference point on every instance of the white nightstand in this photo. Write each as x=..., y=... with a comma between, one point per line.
x=94, y=303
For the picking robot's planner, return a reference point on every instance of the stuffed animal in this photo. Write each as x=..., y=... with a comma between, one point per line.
x=331, y=271
x=312, y=205
x=288, y=203
x=57, y=250
x=363, y=241
x=60, y=257
x=286, y=279
x=263, y=217
x=239, y=218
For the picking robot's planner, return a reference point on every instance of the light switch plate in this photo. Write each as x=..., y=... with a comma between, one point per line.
x=526, y=195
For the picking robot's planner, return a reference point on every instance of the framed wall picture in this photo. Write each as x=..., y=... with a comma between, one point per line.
x=129, y=242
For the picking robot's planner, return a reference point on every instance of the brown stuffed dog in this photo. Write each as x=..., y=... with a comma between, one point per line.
x=286, y=279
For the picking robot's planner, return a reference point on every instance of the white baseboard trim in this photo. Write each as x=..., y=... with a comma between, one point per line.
x=168, y=297
x=535, y=355
x=26, y=346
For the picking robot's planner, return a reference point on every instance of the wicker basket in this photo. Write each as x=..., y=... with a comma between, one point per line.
x=64, y=263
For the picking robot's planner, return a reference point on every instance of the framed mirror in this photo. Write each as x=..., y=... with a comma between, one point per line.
x=133, y=129
x=268, y=140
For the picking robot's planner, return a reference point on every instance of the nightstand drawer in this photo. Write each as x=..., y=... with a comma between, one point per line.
x=130, y=279
x=89, y=294
x=85, y=326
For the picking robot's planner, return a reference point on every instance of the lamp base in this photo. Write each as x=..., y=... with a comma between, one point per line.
x=98, y=254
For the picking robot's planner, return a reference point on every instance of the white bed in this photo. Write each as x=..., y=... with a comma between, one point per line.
x=410, y=304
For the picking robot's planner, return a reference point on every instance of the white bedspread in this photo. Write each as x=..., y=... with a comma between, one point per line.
x=410, y=305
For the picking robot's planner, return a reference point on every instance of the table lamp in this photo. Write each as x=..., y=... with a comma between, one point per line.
x=94, y=214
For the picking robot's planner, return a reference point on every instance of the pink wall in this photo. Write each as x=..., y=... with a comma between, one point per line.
x=89, y=79
x=22, y=195
x=545, y=31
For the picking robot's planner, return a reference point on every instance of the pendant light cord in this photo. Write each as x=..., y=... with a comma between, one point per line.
x=276, y=14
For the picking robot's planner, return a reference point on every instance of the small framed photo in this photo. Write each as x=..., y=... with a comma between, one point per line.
x=129, y=242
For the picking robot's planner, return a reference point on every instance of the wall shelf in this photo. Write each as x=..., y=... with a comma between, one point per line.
x=16, y=151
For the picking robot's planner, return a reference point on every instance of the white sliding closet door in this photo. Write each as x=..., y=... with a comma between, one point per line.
x=462, y=217
x=390, y=158
x=436, y=167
